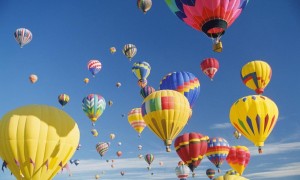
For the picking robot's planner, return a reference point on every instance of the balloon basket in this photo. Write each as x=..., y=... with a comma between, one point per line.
x=218, y=47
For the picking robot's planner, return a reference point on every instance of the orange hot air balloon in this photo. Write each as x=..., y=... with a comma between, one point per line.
x=119, y=153
x=238, y=158
x=33, y=78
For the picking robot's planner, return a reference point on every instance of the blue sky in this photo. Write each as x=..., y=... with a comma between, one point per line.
x=67, y=35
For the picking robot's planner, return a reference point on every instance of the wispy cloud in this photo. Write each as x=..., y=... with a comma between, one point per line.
x=276, y=148
x=286, y=170
x=221, y=126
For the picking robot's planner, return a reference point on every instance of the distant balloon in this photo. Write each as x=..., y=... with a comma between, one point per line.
x=141, y=70
x=112, y=136
x=102, y=148
x=112, y=166
x=149, y=158
x=161, y=163
x=86, y=80
x=140, y=156
x=71, y=161
x=166, y=112
x=180, y=163
x=94, y=132
x=255, y=117
x=129, y=51
x=97, y=176
x=79, y=146
x=122, y=173
x=238, y=158
x=94, y=66
x=63, y=99
x=119, y=143
x=256, y=75
x=76, y=162
x=110, y=102
x=146, y=91
x=210, y=173
x=33, y=78
x=23, y=36
x=144, y=5
x=140, y=147
x=136, y=120
x=184, y=82
x=118, y=84
x=93, y=106
x=209, y=67
x=112, y=50
x=237, y=134
x=182, y=172
x=119, y=153
x=217, y=151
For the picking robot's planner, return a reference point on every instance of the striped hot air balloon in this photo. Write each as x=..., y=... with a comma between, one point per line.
x=129, y=50
x=182, y=172
x=146, y=91
x=63, y=99
x=23, y=36
x=102, y=148
x=136, y=120
x=94, y=66
x=141, y=70
x=238, y=158
x=209, y=67
x=144, y=5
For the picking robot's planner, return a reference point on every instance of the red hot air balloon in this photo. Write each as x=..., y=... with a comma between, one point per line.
x=238, y=158
x=191, y=148
x=209, y=67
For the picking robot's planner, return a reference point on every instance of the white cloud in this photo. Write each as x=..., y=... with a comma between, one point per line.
x=275, y=148
x=221, y=126
x=286, y=170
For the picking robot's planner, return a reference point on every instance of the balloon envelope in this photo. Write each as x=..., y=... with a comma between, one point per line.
x=33, y=78
x=144, y=5
x=182, y=172
x=217, y=151
x=94, y=66
x=238, y=158
x=23, y=36
x=33, y=142
x=129, y=50
x=63, y=99
x=209, y=67
x=136, y=120
x=93, y=106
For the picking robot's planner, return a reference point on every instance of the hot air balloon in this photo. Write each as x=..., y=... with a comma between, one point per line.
x=191, y=148
x=161, y=163
x=149, y=158
x=209, y=67
x=93, y=106
x=102, y=148
x=76, y=162
x=112, y=136
x=230, y=177
x=141, y=70
x=94, y=132
x=140, y=147
x=182, y=172
x=94, y=66
x=210, y=173
x=136, y=120
x=119, y=143
x=237, y=134
x=238, y=158
x=184, y=82
x=217, y=151
x=33, y=78
x=86, y=80
x=112, y=166
x=112, y=50
x=129, y=50
x=211, y=17
x=118, y=84
x=97, y=176
x=110, y=102
x=140, y=156
x=78, y=147
x=63, y=99
x=256, y=75
x=166, y=112
x=146, y=91
x=119, y=153
x=23, y=36
x=255, y=117
x=180, y=163
x=144, y=5
x=122, y=173
x=33, y=143
x=71, y=161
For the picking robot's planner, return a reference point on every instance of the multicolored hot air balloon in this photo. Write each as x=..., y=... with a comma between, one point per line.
x=144, y=5
x=209, y=67
x=230, y=177
x=86, y=80
x=94, y=66
x=182, y=172
x=141, y=70
x=256, y=75
x=166, y=112
x=211, y=17
x=37, y=141
x=210, y=173
x=94, y=132
x=136, y=120
x=238, y=158
x=255, y=117
x=33, y=78
x=93, y=106
x=217, y=151
x=63, y=99
x=23, y=36
x=112, y=50
x=145, y=91
x=102, y=148
x=184, y=82
x=191, y=148
x=149, y=158
x=237, y=134
x=129, y=50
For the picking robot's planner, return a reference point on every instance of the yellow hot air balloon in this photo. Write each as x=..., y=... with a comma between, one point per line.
x=166, y=112
x=37, y=141
x=255, y=117
x=112, y=50
x=230, y=177
x=86, y=80
x=256, y=75
x=136, y=120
